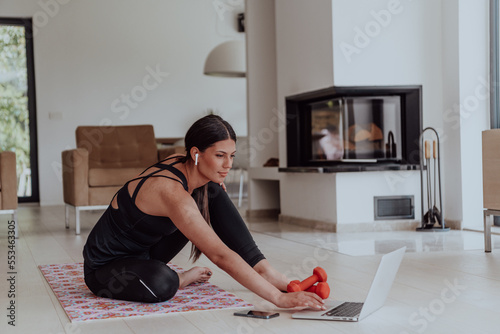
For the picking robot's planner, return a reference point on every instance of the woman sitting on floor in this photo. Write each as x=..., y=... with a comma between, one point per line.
x=180, y=199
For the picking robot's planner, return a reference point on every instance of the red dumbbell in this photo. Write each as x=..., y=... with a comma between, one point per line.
x=322, y=289
x=319, y=275
x=292, y=283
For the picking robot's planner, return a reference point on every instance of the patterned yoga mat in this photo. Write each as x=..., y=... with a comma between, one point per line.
x=66, y=280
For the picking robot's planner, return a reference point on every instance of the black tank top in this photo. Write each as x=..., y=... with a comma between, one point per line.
x=127, y=231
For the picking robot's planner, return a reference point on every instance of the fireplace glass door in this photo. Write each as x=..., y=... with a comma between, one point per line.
x=356, y=129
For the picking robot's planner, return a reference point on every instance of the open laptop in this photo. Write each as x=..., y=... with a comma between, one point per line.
x=379, y=290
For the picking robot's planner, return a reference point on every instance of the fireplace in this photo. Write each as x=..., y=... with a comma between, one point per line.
x=354, y=128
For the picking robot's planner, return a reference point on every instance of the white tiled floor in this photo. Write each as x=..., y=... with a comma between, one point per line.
x=370, y=243
x=446, y=283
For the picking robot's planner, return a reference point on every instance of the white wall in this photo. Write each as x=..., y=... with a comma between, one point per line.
x=309, y=196
x=474, y=105
x=390, y=42
x=451, y=151
x=261, y=82
x=303, y=51
x=90, y=55
x=466, y=107
x=304, y=56
x=264, y=124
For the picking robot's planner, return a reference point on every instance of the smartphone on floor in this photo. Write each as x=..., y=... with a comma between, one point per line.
x=257, y=314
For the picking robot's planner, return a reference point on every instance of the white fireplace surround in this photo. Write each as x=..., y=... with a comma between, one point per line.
x=304, y=46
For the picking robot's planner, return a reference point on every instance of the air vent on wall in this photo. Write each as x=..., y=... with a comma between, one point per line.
x=394, y=207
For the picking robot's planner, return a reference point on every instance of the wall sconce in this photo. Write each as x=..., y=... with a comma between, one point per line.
x=227, y=59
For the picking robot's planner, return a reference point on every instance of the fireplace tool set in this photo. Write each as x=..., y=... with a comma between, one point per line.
x=432, y=200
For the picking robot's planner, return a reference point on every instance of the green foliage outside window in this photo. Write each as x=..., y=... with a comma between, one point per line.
x=14, y=115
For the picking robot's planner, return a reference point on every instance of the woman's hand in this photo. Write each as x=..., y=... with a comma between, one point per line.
x=301, y=299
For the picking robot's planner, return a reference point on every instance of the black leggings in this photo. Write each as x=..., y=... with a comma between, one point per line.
x=151, y=280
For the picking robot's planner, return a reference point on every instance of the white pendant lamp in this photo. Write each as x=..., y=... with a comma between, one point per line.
x=227, y=60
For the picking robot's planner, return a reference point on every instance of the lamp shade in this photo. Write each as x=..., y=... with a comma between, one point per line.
x=227, y=60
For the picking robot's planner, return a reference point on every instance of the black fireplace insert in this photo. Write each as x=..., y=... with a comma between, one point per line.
x=354, y=126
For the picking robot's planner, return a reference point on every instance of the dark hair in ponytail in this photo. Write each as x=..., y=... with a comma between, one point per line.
x=204, y=133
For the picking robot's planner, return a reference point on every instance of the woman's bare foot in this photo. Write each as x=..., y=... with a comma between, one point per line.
x=194, y=275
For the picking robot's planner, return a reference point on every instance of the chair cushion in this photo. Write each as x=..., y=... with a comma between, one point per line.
x=103, y=177
x=102, y=195
x=118, y=146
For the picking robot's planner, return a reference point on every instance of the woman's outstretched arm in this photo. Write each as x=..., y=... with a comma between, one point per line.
x=182, y=209
x=272, y=275
x=232, y=230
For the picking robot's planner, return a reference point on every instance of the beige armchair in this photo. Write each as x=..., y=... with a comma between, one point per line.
x=106, y=157
x=8, y=187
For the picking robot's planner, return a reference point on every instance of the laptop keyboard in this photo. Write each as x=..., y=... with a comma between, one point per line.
x=347, y=309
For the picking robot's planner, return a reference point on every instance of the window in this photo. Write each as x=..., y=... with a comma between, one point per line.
x=17, y=103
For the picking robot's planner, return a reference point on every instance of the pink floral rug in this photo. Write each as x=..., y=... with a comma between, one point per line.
x=66, y=280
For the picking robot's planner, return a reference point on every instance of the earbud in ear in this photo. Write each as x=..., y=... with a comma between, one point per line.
x=196, y=159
